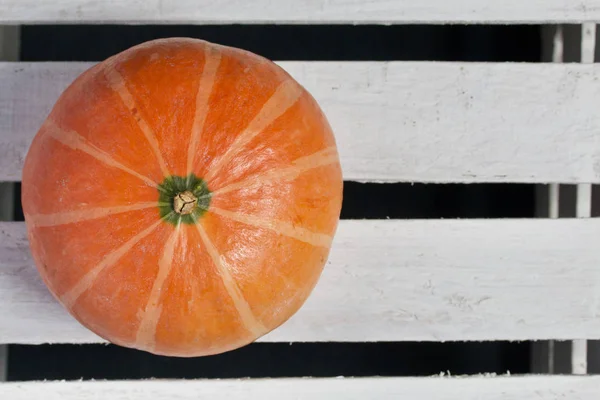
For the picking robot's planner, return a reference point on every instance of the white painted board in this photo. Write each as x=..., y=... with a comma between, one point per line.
x=298, y=11
x=430, y=388
x=579, y=348
x=399, y=121
x=393, y=280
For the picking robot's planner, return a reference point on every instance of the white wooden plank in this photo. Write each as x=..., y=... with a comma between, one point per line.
x=554, y=200
x=393, y=280
x=558, y=49
x=584, y=197
x=579, y=349
x=431, y=388
x=584, y=201
x=579, y=352
x=304, y=11
x=397, y=121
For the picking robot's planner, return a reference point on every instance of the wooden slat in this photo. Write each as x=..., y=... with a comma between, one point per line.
x=579, y=350
x=290, y=11
x=434, y=388
x=395, y=121
x=391, y=280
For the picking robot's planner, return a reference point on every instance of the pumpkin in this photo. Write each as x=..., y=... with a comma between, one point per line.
x=181, y=197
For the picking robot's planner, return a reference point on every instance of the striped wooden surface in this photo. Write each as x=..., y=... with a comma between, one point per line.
x=9, y=51
x=393, y=280
x=399, y=121
x=305, y=11
x=472, y=388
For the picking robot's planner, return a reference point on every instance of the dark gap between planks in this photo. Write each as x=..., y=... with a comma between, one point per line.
x=258, y=360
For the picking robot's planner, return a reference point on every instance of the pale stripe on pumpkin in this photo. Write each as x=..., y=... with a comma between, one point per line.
x=146, y=334
x=299, y=166
x=249, y=320
x=280, y=227
x=75, y=141
x=205, y=88
x=72, y=217
x=285, y=96
x=117, y=83
x=70, y=297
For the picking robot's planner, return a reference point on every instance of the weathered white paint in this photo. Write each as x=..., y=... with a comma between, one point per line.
x=291, y=11
x=431, y=388
x=393, y=280
x=399, y=121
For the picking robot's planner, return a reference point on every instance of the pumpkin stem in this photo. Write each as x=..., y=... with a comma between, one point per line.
x=184, y=203
x=183, y=199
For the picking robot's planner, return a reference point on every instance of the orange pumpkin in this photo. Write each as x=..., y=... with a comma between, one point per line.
x=182, y=196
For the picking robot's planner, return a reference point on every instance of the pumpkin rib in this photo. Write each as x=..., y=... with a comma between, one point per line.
x=75, y=216
x=72, y=295
x=285, y=96
x=299, y=166
x=118, y=85
x=251, y=323
x=146, y=334
x=76, y=141
x=278, y=226
x=212, y=61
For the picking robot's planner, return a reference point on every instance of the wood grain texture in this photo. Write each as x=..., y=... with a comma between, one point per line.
x=393, y=280
x=433, y=388
x=399, y=121
x=290, y=11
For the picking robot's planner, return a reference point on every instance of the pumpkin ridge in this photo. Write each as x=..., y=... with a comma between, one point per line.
x=278, y=226
x=251, y=323
x=117, y=84
x=75, y=141
x=75, y=216
x=146, y=334
x=298, y=166
x=87, y=281
x=285, y=96
x=205, y=88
